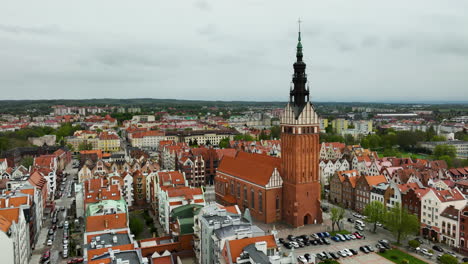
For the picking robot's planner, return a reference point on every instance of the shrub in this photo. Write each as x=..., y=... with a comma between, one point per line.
x=414, y=243
x=405, y=261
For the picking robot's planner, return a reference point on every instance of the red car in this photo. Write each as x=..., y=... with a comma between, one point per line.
x=75, y=260
x=358, y=236
x=46, y=255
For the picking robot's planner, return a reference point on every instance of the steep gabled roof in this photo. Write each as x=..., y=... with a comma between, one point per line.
x=254, y=168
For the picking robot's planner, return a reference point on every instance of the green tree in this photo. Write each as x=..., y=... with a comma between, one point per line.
x=337, y=214
x=275, y=132
x=448, y=259
x=441, y=150
x=85, y=146
x=437, y=138
x=224, y=143
x=375, y=212
x=136, y=225
x=400, y=222
x=414, y=243
x=349, y=139
x=27, y=161
x=263, y=135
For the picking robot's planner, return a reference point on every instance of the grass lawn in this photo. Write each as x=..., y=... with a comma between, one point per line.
x=397, y=256
x=342, y=232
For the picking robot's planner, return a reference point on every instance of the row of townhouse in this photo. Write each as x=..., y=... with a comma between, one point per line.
x=133, y=177
x=21, y=214
x=268, y=147
x=107, y=141
x=351, y=190
x=199, y=164
x=107, y=237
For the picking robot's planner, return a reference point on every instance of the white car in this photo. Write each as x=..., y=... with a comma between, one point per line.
x=359, y=228
x=65, y=241
x=356, y=215
x=348, y=252
x=302, y=259
x=294, y=244
x=65, y=246
x=49, y=242
x=343, y=253
x=426, y=252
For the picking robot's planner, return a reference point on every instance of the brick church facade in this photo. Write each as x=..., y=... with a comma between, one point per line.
x=287, y=187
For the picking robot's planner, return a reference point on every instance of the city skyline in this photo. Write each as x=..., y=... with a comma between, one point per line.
x=403, y=54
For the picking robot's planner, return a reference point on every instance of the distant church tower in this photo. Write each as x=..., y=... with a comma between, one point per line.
x=300, y=152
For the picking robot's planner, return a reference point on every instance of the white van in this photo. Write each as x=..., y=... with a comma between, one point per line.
x=359, y=222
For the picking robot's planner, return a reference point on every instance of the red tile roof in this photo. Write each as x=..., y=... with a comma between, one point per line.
x=173, y=177
x=449, y=195
x=44, y=161
x=105, y=222
x=254, y=168
x=4, y=224
x=151, y=133
x=11, y=214
x=236, y=246
x=375, y=180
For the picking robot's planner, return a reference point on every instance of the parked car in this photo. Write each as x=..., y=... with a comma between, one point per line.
x=370, y=248
x=65, y=253
x=49, y=242
x=51, y=231
x=342, y=253
x=288, y=245
x=357, y=235
x=335, y=238
x=426, y=252
x=65, y=224
x=359, y=228
x=438, y=248
x=350, y=220
x=348, y=252
x=307, y=256
x=302, y=259
x=364, y=249
x=333, y=255
x=325, y=241
x=291, y=238
x=353, y=251
x=281, y=240
x=46, y=255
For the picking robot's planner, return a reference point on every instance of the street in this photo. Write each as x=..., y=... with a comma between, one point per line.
x=65, y=201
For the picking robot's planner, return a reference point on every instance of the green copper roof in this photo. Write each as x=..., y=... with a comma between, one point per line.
x=186, y=225
x=188, y=210
x=120, y=206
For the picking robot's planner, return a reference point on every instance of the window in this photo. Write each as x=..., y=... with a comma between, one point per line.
x=252, y=198
x=277, y=202
x=260, y=202
x=238, y=190
x=245, y=193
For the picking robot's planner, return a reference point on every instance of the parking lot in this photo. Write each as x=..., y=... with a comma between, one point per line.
x=355, y=244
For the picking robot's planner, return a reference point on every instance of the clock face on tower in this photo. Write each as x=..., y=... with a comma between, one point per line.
x=300, y=152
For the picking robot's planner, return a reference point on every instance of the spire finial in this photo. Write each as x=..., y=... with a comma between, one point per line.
x=299, y=24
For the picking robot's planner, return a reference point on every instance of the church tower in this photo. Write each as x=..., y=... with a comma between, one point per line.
x=300, y=148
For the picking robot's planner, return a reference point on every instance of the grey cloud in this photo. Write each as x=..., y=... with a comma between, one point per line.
x=370, y=41
x=43, y=30
x=202, y=5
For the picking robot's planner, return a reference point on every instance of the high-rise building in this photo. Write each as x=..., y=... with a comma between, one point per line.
x=300, y=128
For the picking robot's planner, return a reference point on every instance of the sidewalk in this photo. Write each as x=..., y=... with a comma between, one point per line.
x=40, y=246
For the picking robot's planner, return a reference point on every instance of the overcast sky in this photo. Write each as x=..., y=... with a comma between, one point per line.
x=233, y=50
